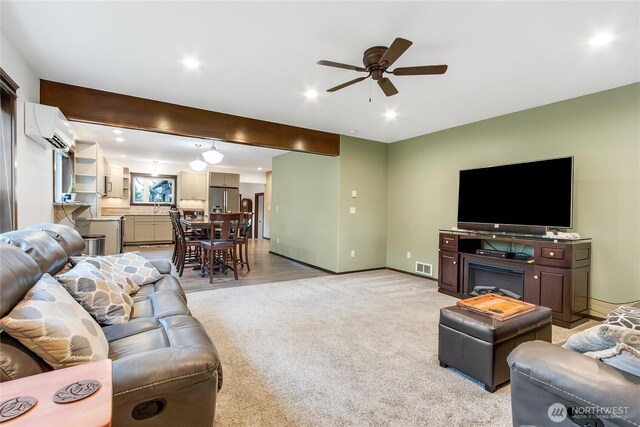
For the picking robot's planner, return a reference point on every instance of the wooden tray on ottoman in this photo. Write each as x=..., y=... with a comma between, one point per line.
x=497, y=306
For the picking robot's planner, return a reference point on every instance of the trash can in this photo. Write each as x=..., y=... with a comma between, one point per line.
x=94, y=244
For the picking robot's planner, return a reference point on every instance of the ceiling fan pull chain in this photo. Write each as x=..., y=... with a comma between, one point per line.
x=370, y=89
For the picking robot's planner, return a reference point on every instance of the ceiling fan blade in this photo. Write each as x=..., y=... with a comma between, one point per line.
x=419, y=71
x=387, y=87
x=349, y=83
x=397, y=48
x=339, y=65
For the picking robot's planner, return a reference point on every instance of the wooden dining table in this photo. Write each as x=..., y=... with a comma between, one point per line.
x=202, y=222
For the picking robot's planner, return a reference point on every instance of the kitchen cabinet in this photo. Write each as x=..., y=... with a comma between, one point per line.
x=147, y=229
x=102, y=170
x=228, y=180
x=115, y=186
x=193, y=185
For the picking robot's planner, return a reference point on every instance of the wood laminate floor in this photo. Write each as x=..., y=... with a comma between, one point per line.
x=265, y=268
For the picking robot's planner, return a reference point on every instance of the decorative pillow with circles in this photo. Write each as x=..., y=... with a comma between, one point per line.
x=98, y=293
x=626, y=316
x=53, y=325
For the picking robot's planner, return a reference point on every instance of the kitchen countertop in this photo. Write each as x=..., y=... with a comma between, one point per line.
x=146, y=214
x=103, y=218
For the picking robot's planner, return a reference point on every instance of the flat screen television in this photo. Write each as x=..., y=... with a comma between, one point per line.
x=520, y=198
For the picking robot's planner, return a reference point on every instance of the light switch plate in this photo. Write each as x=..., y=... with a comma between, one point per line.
x=408, y=255
x=353, y=253
x=354, y=194
x=352, y=210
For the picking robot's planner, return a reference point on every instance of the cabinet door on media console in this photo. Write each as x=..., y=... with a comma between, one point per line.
x=448, y=271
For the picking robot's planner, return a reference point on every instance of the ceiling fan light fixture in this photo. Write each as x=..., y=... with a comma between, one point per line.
x=212, y=156
x=198, y=164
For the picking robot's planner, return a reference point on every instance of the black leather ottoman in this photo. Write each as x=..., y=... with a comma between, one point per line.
x=478, y=345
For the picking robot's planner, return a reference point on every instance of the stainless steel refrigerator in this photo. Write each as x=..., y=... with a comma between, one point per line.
x=224, y=199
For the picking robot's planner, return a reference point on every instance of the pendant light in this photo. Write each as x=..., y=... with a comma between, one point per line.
x=198, y=164
x=213, y=156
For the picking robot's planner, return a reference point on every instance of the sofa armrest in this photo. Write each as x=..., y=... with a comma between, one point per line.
x=543, y=374
x=163, y=266
x=161, y=384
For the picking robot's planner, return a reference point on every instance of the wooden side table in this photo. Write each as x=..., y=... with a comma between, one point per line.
x=93, y=411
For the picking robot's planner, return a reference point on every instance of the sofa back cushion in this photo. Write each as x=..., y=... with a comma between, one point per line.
x=55, y=327
x=18, y=273
x=70, y=240
x=39, y=245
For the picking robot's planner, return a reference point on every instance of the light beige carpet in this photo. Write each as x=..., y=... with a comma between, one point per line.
x=349, y=350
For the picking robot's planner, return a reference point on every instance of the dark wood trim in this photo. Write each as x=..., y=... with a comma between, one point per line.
x=335, y=273
x=112, y=109
x=11, y=85
x=255, y=208
x=315, y=267
x=8, y=85
x=150, y=175
x=433, y=279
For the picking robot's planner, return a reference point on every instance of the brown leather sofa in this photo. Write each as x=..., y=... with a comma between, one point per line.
x=166, y=370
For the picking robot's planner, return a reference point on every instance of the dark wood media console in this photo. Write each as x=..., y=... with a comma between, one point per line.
x=556, y=274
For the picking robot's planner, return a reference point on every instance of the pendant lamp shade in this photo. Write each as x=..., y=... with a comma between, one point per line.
x=198, y=164
x=213, y=156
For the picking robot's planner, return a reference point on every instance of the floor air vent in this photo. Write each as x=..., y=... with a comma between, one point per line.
x=426, y=269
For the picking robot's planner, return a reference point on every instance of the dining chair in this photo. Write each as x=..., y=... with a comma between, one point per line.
x=221, y=244
x=188, y=248
x=243, y=239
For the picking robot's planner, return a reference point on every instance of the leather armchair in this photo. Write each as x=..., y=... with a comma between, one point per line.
x=543, y=374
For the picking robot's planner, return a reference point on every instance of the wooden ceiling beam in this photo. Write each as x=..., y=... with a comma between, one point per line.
x=112, y=109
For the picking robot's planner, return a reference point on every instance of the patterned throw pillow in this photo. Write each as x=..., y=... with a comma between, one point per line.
x=97, y=293
x=626, y=316
x=52, y=324
x=602, y=337
x=113, y=272
x=136, y=267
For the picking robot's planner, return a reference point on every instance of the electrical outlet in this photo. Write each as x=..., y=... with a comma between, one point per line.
x=276, y=209
x=353, y=253
x=408, y=255
x=352, y=210
x=278, y=240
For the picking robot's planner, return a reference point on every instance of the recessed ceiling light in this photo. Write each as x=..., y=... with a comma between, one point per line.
x=600, y=39
x=191, y=62
x=311, y=94
x=390, y=114
x=117, y=131
x=259, y=169
x=120, y=139
x=353, y=131
x=123, y=156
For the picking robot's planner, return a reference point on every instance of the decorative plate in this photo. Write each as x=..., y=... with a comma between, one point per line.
x=11, y=408
x=76, y=391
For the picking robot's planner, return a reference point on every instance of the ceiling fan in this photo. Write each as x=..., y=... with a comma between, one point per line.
x=376, y=62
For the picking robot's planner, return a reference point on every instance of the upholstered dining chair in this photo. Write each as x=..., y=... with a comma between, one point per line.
x=221, y=244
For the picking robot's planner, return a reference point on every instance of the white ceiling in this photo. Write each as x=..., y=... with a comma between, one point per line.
x=140, y=146
x=258, y=58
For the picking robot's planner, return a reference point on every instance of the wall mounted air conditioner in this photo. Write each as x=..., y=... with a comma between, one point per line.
x=48, y=127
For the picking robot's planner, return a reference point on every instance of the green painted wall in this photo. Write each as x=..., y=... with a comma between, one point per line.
x=363, y=168
x=311, y=197
x=305, y=208
x=601, y=131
